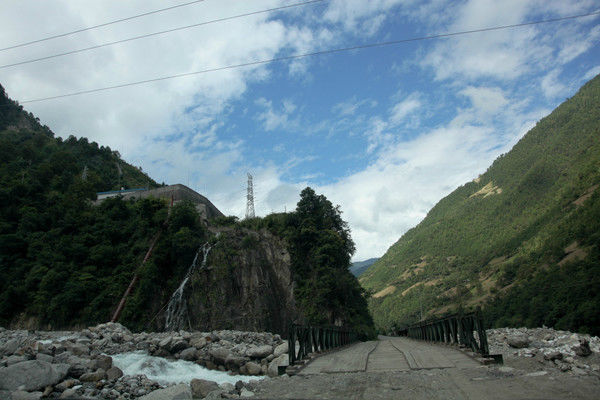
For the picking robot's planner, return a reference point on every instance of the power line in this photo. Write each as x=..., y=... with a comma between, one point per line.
x=311, y=54
x=101, y=25
x=158, y=33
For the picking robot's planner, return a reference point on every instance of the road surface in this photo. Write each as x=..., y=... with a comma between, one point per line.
x=401, y=368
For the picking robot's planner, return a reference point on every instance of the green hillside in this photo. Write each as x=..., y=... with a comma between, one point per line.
x=522, y=240
x=63, y=260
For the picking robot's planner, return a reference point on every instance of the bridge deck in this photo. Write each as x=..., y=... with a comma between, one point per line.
x=401, y=368
x=389, y=354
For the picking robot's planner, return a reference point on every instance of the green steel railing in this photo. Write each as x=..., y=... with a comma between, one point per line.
x=304, y=340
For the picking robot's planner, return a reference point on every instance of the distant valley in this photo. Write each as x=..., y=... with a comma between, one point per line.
x=357, y=268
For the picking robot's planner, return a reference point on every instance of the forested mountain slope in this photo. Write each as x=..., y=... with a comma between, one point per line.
x=57, y=252
x=522, y=240
x=65, y=262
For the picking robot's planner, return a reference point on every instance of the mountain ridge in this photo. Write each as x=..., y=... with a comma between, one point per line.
x=498, y=231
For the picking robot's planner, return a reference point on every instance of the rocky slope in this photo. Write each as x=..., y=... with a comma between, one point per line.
x=247, y=284
x=550, y=349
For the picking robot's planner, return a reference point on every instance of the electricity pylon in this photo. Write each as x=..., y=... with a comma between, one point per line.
x=250, y=199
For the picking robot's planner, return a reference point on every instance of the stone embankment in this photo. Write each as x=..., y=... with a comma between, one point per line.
x=37, y=364
x=568, y=352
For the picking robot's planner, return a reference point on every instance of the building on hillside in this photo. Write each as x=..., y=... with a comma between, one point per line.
x=177, y=192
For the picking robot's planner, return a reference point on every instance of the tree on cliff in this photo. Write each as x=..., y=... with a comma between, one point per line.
x=321, y=248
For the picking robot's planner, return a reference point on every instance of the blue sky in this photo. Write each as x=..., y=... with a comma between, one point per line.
x=384, y=132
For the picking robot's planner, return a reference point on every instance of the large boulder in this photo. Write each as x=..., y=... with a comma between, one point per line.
x=281, y=349
x=281, y=360
x=201, y=387
x=96, y=376
x=518, y=341
x=114, y=373
x=198, y=341
x=259, y=351
x=178, y=344
x=22, y=395
x=102, y=361
x=32, y=375
x=177, y=392
x=10, y=346
x=220, y=355
x=253, y=368
x=189, y=354
x=583, y=349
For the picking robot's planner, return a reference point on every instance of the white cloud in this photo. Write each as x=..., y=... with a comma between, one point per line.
x=349, y=107
x=485, y=99
x=551, y=85
x=350, y=13
x=273, y=119
x=592, y=73
x=402, y=109
x=507, y=54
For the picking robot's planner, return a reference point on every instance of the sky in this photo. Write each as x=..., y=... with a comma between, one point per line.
x=385, y=132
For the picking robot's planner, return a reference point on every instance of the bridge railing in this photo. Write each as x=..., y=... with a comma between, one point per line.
x=304, y=340
x=460, y=329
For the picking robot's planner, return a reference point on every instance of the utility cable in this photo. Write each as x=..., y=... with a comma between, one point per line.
x=101, y=25
x=66, y=53
x=311, y=54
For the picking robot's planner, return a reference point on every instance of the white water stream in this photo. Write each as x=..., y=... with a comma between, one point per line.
x=166, y=371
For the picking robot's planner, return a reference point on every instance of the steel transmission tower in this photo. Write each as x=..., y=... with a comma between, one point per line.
x=250, y=199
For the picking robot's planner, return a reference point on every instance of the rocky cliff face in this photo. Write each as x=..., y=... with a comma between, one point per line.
x=246, y=284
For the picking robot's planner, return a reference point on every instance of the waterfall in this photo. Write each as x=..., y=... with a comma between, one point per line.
x=176, y=315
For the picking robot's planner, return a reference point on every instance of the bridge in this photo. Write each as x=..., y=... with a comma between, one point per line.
x=404, y=368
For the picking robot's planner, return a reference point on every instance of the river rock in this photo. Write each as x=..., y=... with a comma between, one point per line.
x=76, y=370
x=201, y=387
x=165, y=343
x=215, y=395
x=259, y=351
x=22, y=395
x=66, y=384
x=32, y=375
x=281, y=360
x=246, y=393
x=99, y=374
x=253, y=368
x=219, y=354
x=553, y=355
x=281, y=349
x=583, y=349
x=79, y=349
x=177, y=392
x=14, y=359
x=234, y=362
x=113, y=373
x=178, y=344
x=189, y=354
x=10, y=347
x=102, y=361
x=198, y=341
x=44, y=357
x=69, y=394
x=518, y=342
